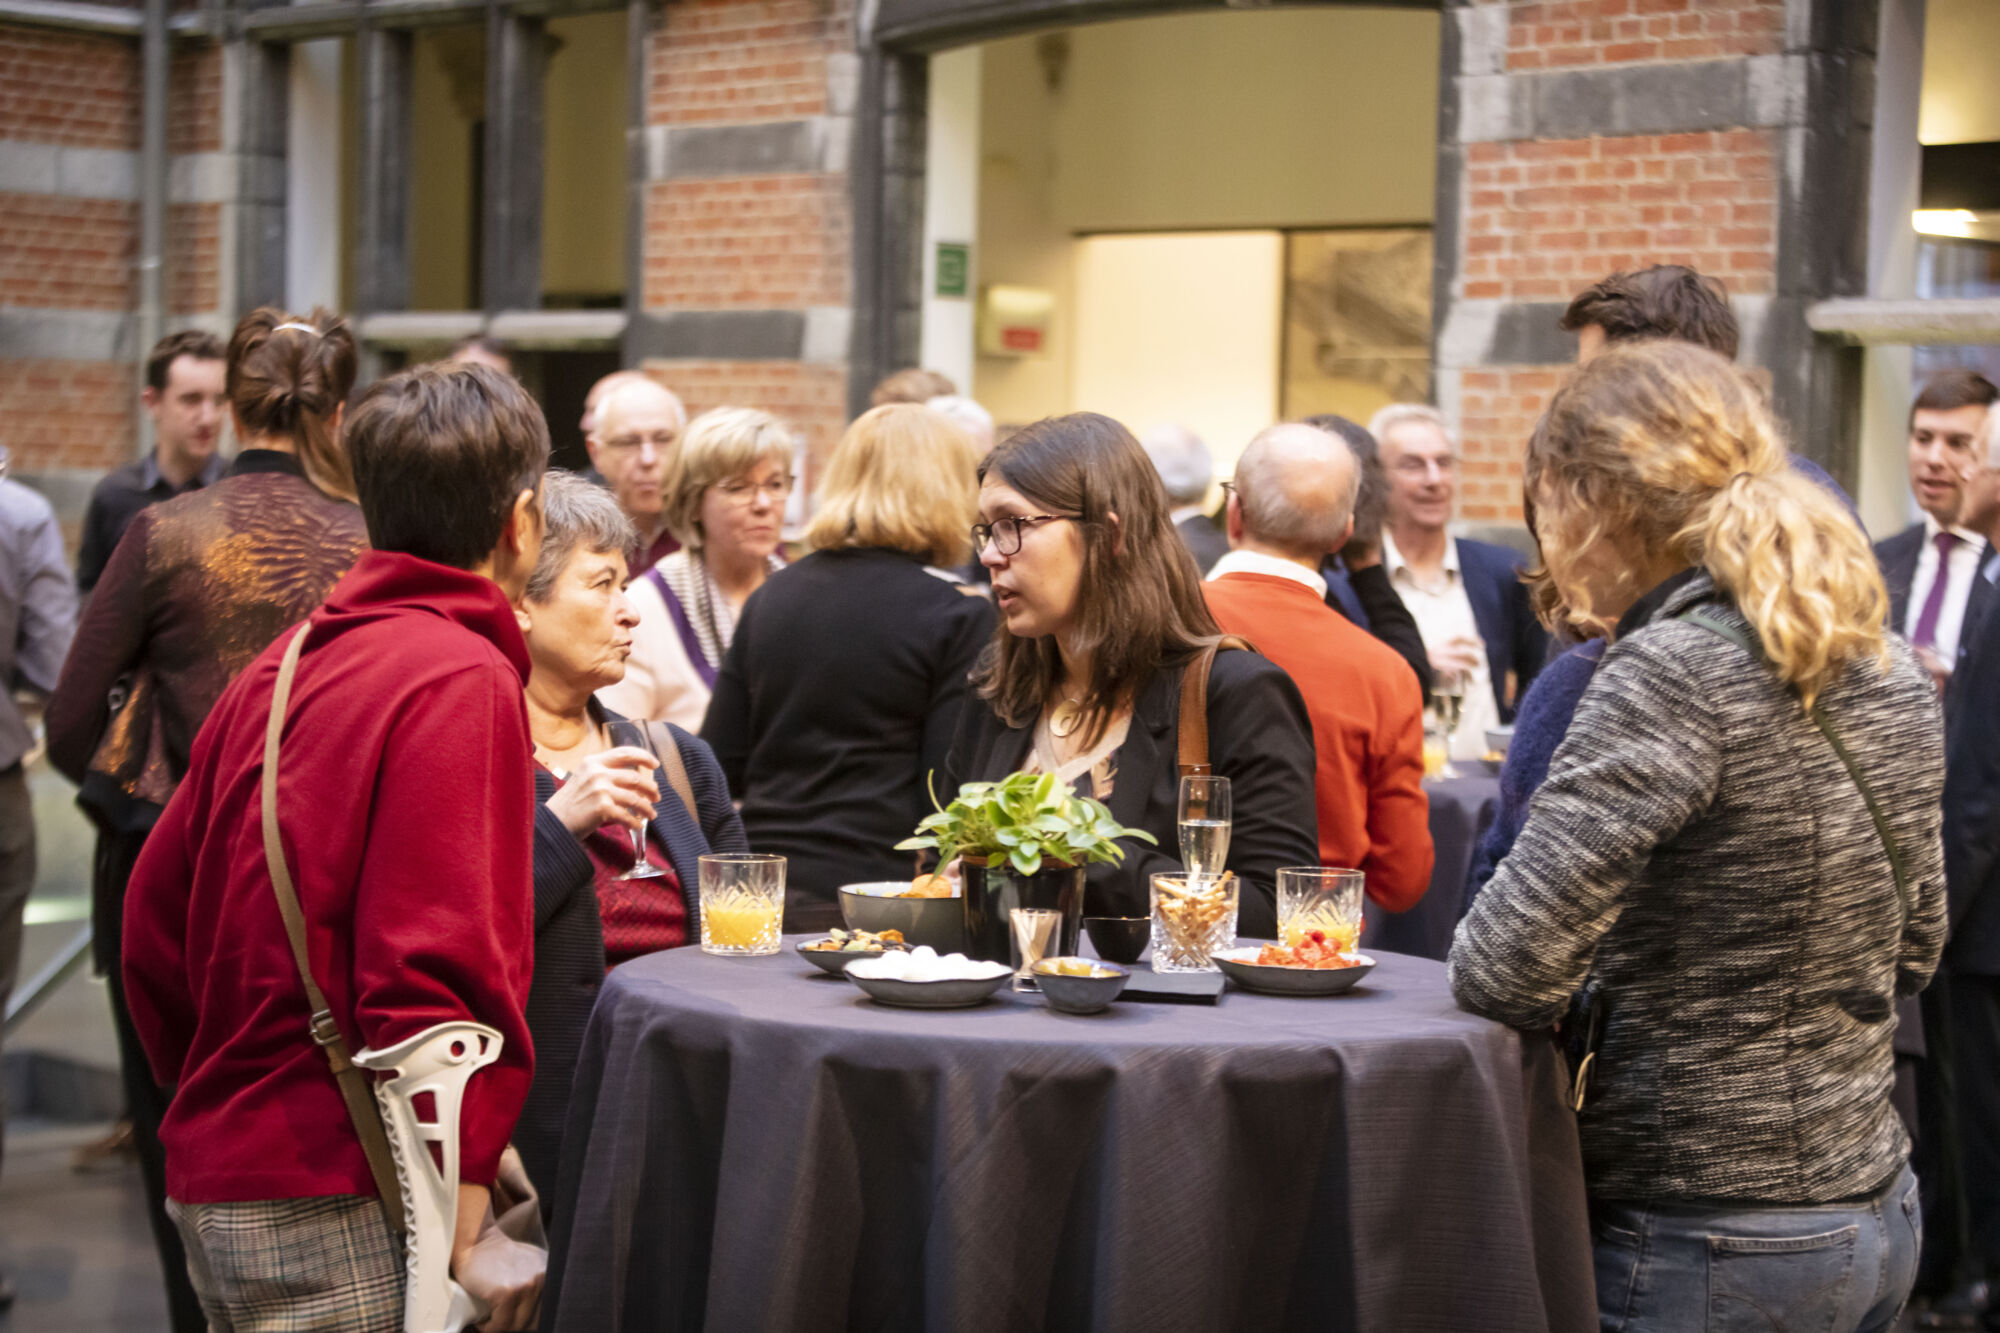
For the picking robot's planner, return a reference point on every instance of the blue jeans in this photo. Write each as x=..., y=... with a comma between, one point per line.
x=1835, y=1268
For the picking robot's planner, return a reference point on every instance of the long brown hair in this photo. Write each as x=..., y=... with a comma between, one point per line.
x=1139, y=605
x=289, y=382
x=1670, y=449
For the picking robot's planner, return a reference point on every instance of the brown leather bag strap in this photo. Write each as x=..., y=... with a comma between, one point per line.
x=1194, y=705
x=669, y=751
x=353, y=1082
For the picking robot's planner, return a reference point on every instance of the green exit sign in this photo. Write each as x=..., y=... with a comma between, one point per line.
x=954, y=267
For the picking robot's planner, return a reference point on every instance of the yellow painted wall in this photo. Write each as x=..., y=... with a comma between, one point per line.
x=583, y=190
x=1181, y=328
x=1240, y=120
x=447, y=93
x=1961, y=99
x=1021, y=242
x=1272, y=118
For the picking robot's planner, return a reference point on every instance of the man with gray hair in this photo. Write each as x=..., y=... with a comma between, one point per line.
x=1467, y=596
x=1187, y=469
x=1291, y=504
x=636, y=427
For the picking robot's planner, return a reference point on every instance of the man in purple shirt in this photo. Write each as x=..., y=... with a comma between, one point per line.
x=37, y=616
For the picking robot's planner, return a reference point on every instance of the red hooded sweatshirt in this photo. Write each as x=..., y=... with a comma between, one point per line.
x=406, y=805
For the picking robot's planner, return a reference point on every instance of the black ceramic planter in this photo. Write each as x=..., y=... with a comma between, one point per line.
x=992, y=893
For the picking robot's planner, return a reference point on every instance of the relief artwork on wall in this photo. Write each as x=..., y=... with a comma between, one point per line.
x=1357, y=320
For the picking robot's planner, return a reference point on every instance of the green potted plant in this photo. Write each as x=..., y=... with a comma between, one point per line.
x=1020, y=842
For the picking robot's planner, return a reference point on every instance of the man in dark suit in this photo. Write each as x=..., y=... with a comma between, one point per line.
x=1187, y=469
x=1932, y=567
x=1970, y=976
x=1466, y=595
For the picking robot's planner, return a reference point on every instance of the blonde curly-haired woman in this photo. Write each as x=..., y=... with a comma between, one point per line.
x=1733, y=869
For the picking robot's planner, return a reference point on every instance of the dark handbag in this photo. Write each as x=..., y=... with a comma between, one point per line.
x=1582, y=1029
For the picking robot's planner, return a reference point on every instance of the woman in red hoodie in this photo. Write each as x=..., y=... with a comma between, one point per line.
x=405, y=814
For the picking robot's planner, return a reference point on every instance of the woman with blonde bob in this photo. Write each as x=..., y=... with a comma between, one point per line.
x=1722, y=907
x=841, y=691
x=725, y=492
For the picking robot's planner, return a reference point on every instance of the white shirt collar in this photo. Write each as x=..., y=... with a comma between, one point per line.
x=1241, y=561
x=1392, y=559
x=1932, y=528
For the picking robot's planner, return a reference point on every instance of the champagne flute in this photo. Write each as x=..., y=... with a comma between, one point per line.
x=1448, y=699
x=634, y=735
x=1204, y=824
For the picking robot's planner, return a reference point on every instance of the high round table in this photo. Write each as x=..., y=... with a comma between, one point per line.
x=755, y=1146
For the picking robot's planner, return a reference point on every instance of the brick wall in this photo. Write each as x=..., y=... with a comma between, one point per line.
x=810, y=398
x=71, y=414
x=728, y=61
x=1542, y=215
x=1608, y=32
x=1497, y=412
x=756, y=227
x=76, y=91
x=747, y=242
x=66, y=254
x=69, y=113
x=1544, y=219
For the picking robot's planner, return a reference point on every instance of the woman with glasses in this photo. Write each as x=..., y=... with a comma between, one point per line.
x=842, y=690
x=1101, y=612
x=726, y=487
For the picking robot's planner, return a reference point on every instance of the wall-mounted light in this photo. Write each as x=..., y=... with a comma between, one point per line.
x=1944, y=221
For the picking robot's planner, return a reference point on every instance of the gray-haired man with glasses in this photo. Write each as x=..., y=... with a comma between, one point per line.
x=636, y=426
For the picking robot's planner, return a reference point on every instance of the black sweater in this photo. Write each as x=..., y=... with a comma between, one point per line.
x=569, y=937
x=1259, y=737
x=837, y=700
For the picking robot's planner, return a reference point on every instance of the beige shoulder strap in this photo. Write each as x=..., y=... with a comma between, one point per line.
x=1194, y=705
x=669, y=751
x=354, y=1089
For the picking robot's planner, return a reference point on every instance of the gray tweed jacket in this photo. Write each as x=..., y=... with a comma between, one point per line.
x=1702, y=851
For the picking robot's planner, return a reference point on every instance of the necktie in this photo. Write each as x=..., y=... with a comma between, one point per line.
x=1927, y=619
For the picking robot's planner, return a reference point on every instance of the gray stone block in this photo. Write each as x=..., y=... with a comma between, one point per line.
x=65, y=335
x=771, y=147
x=722, y=335
x=28, y=168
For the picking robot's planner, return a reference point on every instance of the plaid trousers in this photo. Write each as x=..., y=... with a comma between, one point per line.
x=325, y=1265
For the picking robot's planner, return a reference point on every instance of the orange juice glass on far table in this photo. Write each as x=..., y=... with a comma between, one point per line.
x=742, y=903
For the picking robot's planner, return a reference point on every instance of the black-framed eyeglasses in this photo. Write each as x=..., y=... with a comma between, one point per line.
x=1005, y=533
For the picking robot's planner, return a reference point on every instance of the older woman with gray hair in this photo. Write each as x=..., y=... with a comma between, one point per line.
x=592, y=795
x=726, y=488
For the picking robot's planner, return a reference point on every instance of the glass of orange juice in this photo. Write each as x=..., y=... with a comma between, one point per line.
x=742, y=903
x=1320, y=898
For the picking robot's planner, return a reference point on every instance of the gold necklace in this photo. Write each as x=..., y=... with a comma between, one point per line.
x=1065, y=718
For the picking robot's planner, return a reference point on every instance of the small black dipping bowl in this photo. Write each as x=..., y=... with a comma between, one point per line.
x=1119, y=939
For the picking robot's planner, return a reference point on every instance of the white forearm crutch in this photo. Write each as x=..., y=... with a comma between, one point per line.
x=439, y=1060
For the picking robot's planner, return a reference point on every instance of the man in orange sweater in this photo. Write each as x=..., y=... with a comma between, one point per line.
x=1292, y=501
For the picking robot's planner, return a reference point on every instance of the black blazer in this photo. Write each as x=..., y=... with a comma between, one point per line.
x=1515, y=640
x=1259, y=737
x=1897, y=557
x=569, y=938
x=1205, y=539
x=1972, y=804
x=1370, y=600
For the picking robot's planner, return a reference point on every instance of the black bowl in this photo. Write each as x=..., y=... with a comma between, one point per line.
x=1119, y=939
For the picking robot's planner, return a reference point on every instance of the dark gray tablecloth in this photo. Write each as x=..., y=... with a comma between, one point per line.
x=756, y=1147
x=1461, y=808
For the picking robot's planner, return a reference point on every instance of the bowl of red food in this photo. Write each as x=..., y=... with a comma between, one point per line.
x=1314, y=967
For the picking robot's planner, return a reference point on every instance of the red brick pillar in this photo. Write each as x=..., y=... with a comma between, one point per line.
x=744, y=257
x=1586, y=137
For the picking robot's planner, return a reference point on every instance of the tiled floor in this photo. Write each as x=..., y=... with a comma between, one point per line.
x=75, y=1246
